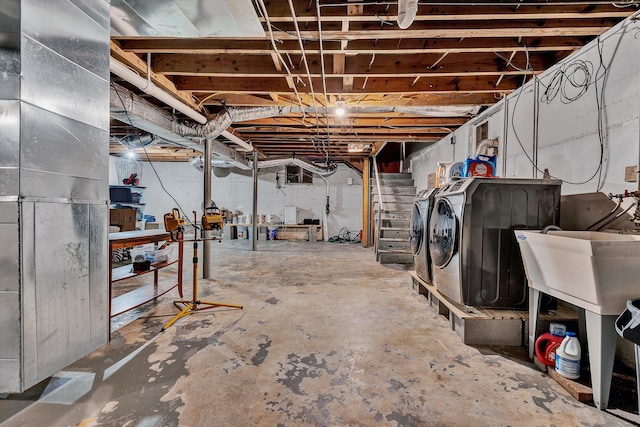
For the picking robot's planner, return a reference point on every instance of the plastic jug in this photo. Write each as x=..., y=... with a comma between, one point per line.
x=546, y=346
x=441, y=173
x=480, y=166
x=568, y=356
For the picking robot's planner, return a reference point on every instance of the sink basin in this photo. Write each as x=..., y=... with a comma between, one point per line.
x=594, y=270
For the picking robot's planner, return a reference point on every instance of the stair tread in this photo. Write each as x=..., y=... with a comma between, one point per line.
x=394, y=251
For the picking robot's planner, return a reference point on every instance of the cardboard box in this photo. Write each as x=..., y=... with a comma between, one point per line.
x=124, y=218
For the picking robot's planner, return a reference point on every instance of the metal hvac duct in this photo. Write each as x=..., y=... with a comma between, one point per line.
x=138, y=141
x=218, y=125
x=311, y=167
x=198, y=163
x=407, y=10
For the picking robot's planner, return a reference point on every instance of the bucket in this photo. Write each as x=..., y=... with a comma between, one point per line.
x=568, y=356
x=242, y=232
x=546, y=346
x=272, y=233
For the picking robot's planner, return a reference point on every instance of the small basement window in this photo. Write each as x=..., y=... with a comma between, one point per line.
x=297, y=175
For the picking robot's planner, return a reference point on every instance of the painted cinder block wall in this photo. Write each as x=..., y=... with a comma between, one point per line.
x=235, y=192
x=560, y=134
x=568, y=136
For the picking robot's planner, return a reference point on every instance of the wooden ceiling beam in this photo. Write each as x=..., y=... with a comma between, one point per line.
x=355, y=121
x=296, y=139
x=353, y=66
x=469, y=84
x=256, y=134
x=279, y=11
x=457, y=33
x=489, y=16
x=354, y=47
x=379, y=100
x=140, y=66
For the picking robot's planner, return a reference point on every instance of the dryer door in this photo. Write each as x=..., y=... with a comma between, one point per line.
x=443, y=233
x=417, y=229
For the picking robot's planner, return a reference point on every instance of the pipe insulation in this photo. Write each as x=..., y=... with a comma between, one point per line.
x=218, y=124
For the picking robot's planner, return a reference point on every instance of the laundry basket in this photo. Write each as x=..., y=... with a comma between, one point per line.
x=129, y=172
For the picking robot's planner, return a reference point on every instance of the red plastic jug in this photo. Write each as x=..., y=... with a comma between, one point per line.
x=546, y=346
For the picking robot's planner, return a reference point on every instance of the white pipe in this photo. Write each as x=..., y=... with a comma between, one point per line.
x=150, y=88
x=231, y=137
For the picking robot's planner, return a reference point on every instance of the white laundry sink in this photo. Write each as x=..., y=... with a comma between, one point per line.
x=594, y=270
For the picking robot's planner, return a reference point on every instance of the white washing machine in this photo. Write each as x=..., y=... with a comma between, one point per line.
x=475, y=257
x=419, y=234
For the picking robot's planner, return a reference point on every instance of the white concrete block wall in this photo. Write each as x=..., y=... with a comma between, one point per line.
x=568, y=143
x=235, y=192
x=516, y=146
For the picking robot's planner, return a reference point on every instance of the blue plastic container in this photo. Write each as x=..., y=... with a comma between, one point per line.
x=480, y=166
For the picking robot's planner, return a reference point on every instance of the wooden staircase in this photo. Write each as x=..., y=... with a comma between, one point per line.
x=397, y=192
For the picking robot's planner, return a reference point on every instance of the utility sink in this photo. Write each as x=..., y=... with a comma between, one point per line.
x=594, y=270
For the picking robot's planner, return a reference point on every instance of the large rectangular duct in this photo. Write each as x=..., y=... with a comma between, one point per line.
x=54, y=136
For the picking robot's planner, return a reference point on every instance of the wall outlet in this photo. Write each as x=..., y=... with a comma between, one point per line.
x=630, y=174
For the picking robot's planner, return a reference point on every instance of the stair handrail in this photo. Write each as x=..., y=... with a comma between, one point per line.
x=380, y=209
x=375, y=172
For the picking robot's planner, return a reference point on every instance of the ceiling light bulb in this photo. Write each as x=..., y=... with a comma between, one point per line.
x=131, y=154
x=340, y=111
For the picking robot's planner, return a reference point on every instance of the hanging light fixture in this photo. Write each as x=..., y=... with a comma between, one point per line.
x=340, y=111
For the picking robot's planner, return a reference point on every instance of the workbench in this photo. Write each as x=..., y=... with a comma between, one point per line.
x=310, y=232
x=145, y=293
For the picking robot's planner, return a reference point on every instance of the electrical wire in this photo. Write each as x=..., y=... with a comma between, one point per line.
x=263, y=11
x=144, y=148
x=306, y=65
x=345, y=236
x=324, y=79
x=572, y=81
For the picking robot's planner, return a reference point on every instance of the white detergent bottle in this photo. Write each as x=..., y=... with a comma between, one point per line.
x=568, y=357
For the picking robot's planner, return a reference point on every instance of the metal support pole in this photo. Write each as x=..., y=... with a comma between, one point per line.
x=505, y=133
x=206, y=246
x=254, y=243
x=536, y=112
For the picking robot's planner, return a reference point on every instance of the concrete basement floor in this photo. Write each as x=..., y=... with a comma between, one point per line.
x=327, y=337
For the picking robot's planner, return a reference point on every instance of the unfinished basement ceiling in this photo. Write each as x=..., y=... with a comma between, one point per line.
x=413, y=85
